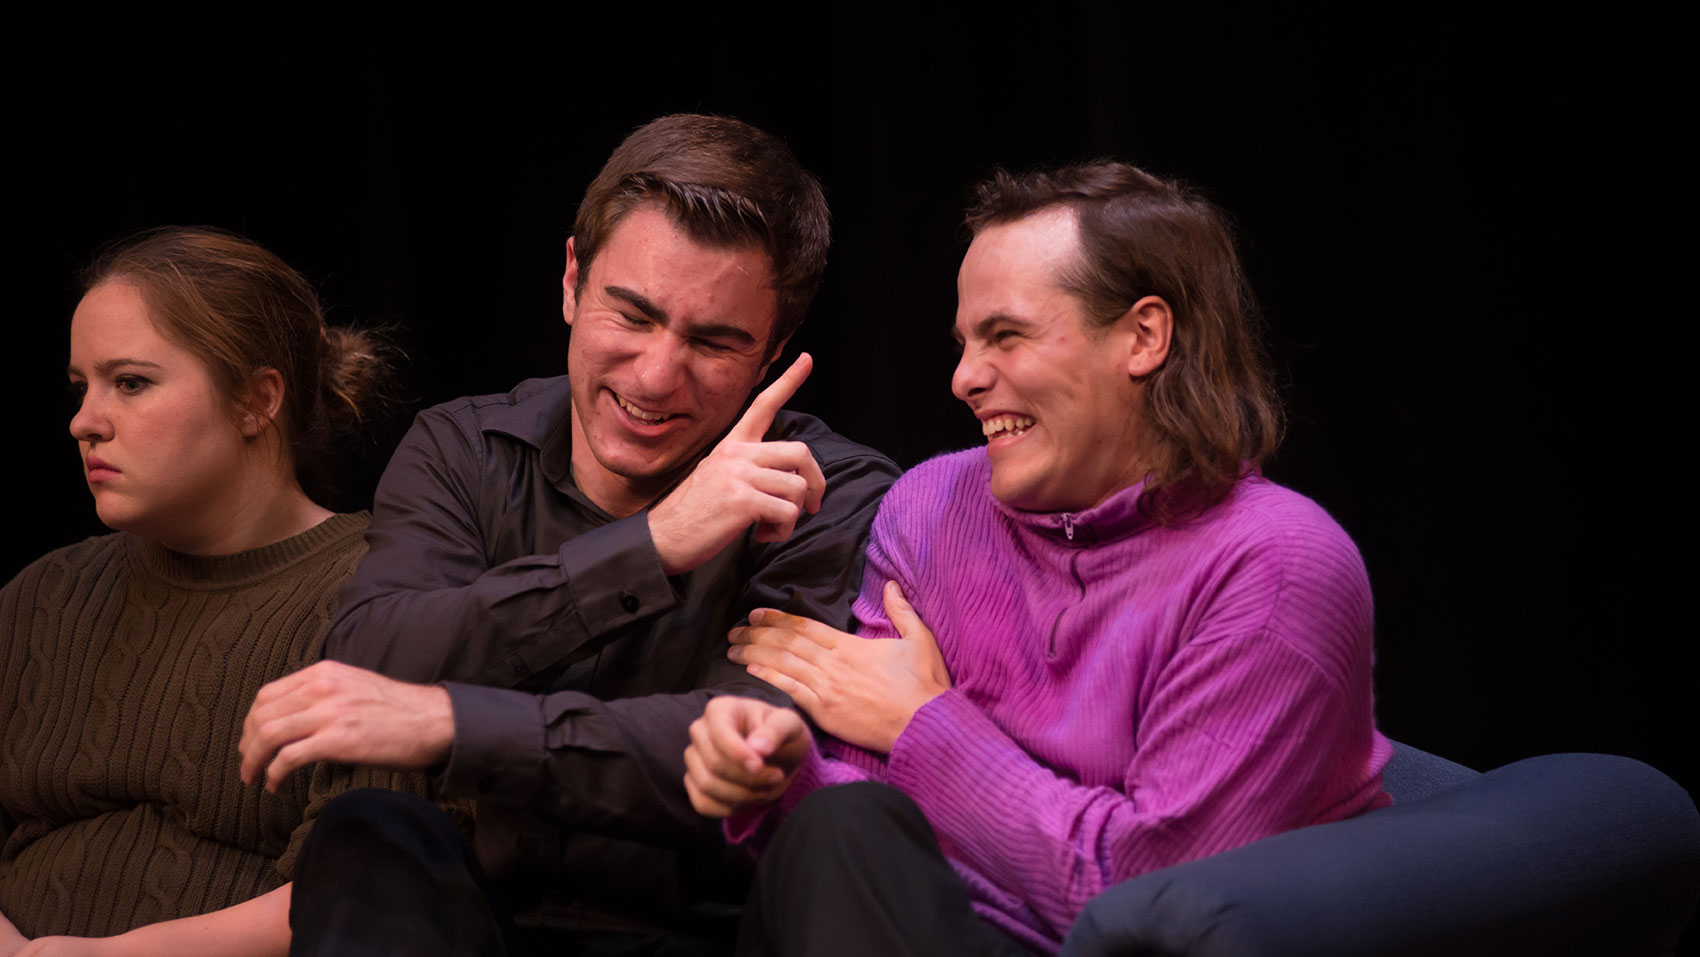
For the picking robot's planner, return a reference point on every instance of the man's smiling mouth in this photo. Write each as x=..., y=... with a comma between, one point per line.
x=642, y=415
x=1001, y=424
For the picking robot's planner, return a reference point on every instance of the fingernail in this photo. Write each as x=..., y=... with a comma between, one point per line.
x=757, y=616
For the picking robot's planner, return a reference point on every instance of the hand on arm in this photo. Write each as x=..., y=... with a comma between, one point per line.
x=742, y=482
x=743, y=753
x=860, y=691
x=336, y=712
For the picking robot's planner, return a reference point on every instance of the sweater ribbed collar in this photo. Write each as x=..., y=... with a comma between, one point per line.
x=1116, y=517
x=224, y=571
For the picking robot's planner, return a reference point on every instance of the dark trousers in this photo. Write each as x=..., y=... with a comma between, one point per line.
x=856, y=870
x=388, y=873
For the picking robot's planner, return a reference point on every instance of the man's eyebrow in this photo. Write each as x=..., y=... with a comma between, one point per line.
x=705, y=330
x=983, y=328
x=721, y=330
x=638, y=301
x=105, y=366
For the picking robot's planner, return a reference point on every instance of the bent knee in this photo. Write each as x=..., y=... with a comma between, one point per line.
x=856, y=808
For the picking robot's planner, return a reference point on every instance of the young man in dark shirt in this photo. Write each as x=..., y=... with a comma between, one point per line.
x=553, y=572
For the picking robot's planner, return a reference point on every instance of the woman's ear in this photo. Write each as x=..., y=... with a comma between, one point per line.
x=1152, y=325
x=263, y=402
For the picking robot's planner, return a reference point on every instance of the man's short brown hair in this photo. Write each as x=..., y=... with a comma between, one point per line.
x=727, y=184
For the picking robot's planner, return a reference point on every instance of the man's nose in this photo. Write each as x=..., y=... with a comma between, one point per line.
x=661, y=366
x=973, y=375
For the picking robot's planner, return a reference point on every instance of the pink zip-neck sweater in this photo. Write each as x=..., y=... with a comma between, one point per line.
x=1126, y=695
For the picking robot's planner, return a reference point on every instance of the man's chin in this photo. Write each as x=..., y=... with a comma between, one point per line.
x=643, y=470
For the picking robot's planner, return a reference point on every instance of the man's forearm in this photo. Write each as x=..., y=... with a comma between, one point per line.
x=615, y=767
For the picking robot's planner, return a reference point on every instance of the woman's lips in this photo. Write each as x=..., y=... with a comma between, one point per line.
x=99, y=470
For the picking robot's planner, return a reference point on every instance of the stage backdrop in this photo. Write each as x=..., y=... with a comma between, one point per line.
x=1459, y=227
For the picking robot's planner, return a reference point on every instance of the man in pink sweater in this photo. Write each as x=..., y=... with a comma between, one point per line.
x=1146, y=652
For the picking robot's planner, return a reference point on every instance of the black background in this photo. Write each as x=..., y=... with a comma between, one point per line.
x=1466, y=229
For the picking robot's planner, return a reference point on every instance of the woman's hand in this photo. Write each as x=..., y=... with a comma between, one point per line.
x=743, y=753
x=858, y=690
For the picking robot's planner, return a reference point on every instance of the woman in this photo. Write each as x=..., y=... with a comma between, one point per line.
x=1146, y=651
x=210, y=390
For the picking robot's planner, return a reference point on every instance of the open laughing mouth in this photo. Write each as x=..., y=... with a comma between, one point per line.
x=640, y=414
x=1006, y=425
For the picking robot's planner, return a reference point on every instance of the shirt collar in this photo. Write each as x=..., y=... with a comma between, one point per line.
x=540, y=414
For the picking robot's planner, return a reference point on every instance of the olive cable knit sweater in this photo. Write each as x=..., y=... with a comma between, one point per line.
x=125, y=672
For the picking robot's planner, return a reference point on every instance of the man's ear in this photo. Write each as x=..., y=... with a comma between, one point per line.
x=264, y=399
x=1151, y=325
x=569, y=284
x=772, y=354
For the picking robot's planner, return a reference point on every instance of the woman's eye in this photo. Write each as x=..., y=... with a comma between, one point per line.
x=130, y=384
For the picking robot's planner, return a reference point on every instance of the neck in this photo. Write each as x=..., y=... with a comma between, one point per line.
x=615, y=494
x=257, y=529
x=263, y=511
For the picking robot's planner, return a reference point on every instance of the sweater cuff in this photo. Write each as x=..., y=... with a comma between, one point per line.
x=951, y=751
x=498, y=748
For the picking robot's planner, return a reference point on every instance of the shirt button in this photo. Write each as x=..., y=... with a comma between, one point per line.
x=629, y=602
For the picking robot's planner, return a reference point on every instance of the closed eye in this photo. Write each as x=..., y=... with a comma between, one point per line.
x=717, y=347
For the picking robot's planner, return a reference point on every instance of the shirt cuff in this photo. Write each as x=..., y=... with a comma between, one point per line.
x=615, y=575
x=498, y=751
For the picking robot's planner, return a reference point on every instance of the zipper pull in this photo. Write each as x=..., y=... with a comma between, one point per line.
x=1068, y=525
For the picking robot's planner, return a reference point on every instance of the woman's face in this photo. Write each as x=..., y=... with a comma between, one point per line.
x=162, y=452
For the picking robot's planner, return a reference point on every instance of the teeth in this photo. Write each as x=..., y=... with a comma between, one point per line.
x=638, y=413
x=1006, y=423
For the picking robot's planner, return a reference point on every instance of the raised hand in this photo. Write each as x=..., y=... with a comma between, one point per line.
x=742, y=482
x=862, y=691
x=743, y=753
x=336, y=712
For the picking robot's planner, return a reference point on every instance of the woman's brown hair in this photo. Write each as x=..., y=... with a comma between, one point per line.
x=241, y=309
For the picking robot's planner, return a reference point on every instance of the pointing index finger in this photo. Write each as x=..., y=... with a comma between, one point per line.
x=759, y=416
